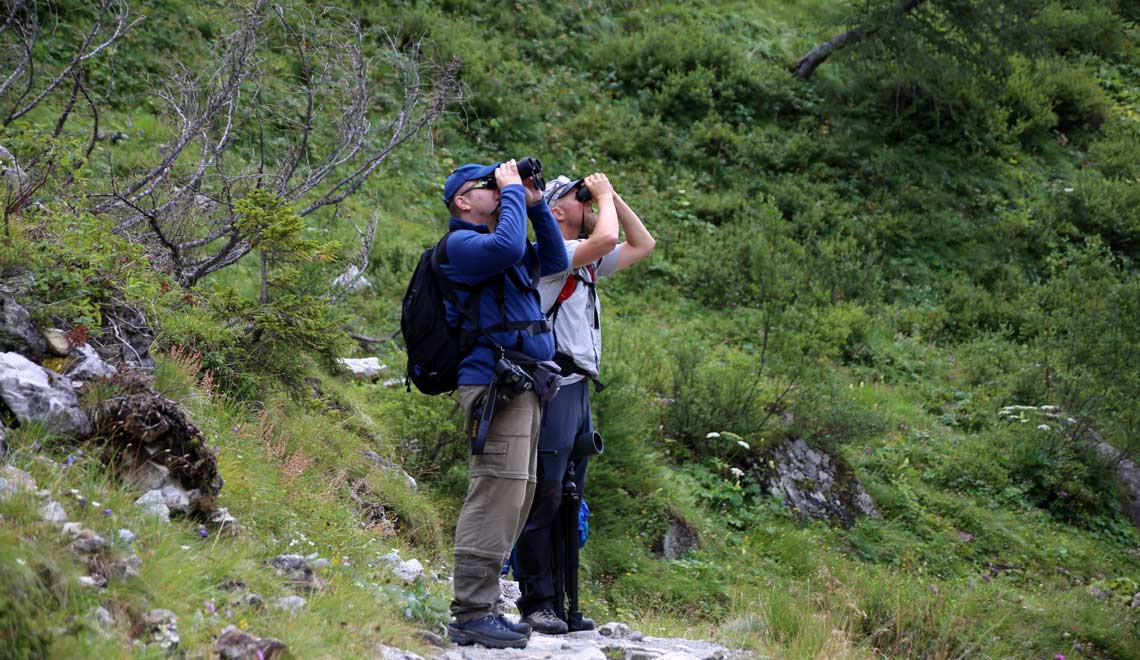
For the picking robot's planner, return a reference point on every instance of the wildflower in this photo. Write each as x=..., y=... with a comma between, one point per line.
x=210, y=607
x=744, y=444
x=108, y=512
x=70, y=460
x=736, y=472
x=203, y=532
x=712, y=434
x=236, y=429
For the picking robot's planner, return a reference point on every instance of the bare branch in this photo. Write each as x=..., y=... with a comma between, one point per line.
x=806, y=65
x=83, y=53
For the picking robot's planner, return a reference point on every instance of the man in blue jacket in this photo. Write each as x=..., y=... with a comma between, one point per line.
x=489, y=208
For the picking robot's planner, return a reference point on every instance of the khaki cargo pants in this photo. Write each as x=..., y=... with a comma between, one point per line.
x=497, y=503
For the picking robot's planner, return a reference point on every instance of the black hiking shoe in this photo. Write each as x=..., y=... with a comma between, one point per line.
x=487, y=631
x=547, y=622
x=578, y=622
x=522, y=627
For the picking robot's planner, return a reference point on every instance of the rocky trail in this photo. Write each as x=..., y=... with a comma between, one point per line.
x=612, y=641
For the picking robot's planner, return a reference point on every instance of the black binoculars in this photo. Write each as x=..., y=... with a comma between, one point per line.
x=532, y=167
x=581, y=192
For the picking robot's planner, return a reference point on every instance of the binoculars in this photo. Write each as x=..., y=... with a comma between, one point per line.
x=532, y=167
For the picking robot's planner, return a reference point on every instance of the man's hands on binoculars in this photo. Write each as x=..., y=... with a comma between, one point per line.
x=507, y=174
x=599, y=185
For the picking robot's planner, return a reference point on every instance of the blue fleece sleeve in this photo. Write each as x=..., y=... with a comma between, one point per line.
x=551, y=250
x=482, y=255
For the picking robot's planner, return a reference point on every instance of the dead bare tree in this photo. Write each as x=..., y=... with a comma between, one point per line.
x=25, y=87
x=308, y=137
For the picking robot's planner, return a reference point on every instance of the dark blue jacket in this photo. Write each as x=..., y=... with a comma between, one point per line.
x=474, y=253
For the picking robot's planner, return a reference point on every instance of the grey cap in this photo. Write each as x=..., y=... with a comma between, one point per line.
x=558, y=188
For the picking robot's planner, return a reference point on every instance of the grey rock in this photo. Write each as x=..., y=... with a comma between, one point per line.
x=87, y=542
x=390, y=653
x=297, y=571
x=88, y=365
x=101, y=620
x=409, y=570
x=14, y=175
x=53, y=512
x=176, y=498
x=162, y=628
x=509, y=594
x=390, y=466
x=14, y=480
x=1128, y=473
x=351, y=280
x=3, y=443
x=126, y=536
x=154, y=504
x=122, y=569
x=250, y=600
x=93, y=581
x=815, y=483
x=614, y=630
x=16, y=330
x=147, y=476
x=368, y=368
x=226, y=524
x=680, y=539
x=291, y=604
x=235, y=644
x=57, y=341
x=678, y=655
x=38, y=396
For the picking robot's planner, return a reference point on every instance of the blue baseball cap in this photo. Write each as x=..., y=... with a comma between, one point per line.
x=463, y=174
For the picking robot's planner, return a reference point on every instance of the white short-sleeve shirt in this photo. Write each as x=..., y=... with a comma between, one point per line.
x=577, y=322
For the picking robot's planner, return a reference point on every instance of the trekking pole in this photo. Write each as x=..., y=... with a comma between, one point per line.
x=571, y=502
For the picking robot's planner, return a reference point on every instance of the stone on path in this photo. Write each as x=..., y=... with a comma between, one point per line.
x=391, y=653
x=613, y=640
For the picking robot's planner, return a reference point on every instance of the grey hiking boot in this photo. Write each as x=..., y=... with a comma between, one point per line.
x=487, y=631
x=547, y=622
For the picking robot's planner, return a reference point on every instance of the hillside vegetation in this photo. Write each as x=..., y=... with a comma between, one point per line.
x=940, y=223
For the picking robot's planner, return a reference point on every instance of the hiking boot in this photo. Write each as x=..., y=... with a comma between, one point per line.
x=487, y=631
x=578, y=622
x=547, y=622
x=522, y=627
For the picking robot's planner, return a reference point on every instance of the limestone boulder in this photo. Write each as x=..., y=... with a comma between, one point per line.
x=39, y=396
x=815, y=483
